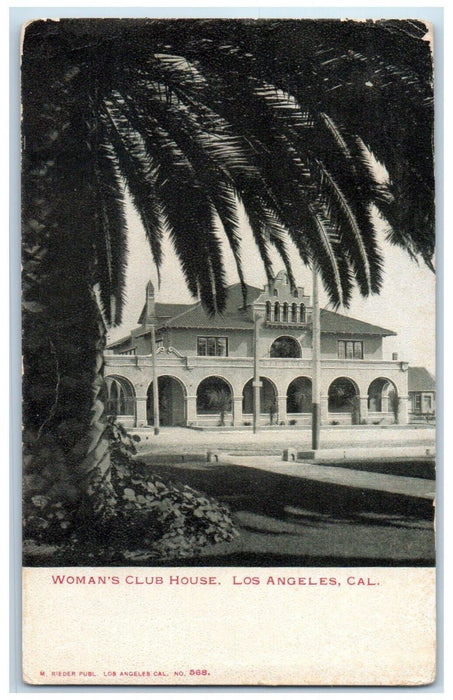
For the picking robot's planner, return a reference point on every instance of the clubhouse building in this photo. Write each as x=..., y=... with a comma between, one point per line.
x=205, y=366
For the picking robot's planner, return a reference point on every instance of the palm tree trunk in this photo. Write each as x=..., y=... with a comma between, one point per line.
x=65, y=446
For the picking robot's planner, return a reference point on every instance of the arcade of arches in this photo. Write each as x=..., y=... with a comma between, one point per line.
x=215, y=399
x=120, y=397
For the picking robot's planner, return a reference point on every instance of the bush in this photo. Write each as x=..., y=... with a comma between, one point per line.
x=293, y=421
x=148, y=518
x=334, y=422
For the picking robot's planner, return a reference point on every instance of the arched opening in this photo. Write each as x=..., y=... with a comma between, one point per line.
x=214, y=398
x=268, y=311
x=172, y=407
x=294, y=313
x=277, y=311
x=285, y=346
x=298, y=396
x=268, y=398
x=383, y=396
x=344, y=398
x=120, y=399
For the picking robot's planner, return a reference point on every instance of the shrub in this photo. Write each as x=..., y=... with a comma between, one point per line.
x=334, y=422
x=147, y=516
x=293, y=421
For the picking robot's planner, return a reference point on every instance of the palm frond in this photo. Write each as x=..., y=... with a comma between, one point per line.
x=110, y=240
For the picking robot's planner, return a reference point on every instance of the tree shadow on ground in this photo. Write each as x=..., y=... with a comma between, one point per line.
x=295, y=499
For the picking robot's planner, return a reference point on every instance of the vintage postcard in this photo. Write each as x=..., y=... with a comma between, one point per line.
x=229, y=398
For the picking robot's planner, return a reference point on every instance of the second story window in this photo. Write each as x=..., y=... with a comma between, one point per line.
x=213, y=346
x=350, y=349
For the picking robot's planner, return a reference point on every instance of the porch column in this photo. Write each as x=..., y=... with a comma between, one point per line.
x=403, y=410
x=324, y=409
x=281, y=408
x=363, y=408
x=191, y=409
x=140, y=411
x=237, y=410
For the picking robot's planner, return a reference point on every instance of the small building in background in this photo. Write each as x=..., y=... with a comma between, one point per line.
x=422, y=394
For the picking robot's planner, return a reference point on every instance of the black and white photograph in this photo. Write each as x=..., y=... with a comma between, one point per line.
x=229, y=320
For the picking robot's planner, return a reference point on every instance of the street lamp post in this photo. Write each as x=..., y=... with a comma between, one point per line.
x=155, y=380
x=316, y=367
x=256, y=374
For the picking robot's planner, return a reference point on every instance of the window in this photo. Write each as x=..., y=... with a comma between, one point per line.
x=418, y=403
x=350, y=349
x=275, y=292
x=128, y=352
x=213, y=346
x=285, y=313
x=285, y=346
x=268, y=310
x=277, y=311
x=428, y=402
x=302, y=313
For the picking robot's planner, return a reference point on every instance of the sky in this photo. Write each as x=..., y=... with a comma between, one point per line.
x=405, y=305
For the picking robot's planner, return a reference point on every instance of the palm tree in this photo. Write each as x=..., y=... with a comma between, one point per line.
x=193, y=117
x=220, y=401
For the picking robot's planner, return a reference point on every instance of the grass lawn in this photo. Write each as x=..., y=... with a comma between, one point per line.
x=422, y=468
x=291, y=521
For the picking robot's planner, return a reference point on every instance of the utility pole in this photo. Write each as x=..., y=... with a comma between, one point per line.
x=155, y=380
x=256, y=374
x=316, y=367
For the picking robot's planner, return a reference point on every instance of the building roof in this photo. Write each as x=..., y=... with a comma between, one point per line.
x=332, y=322
x=120, y=341
x=419, y=379
x=234, y=316
x=165, y=311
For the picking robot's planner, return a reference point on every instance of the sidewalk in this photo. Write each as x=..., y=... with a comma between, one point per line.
x=402, y=485
x=181, y=440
